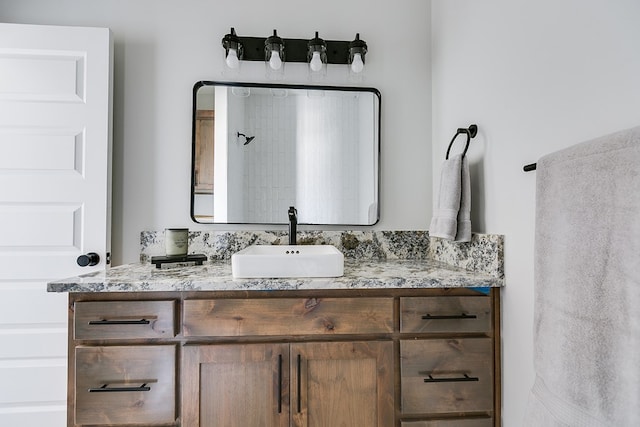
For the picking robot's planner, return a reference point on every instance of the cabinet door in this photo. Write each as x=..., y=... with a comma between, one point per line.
x=347, y=384
x=204, y=151
x=236, y=385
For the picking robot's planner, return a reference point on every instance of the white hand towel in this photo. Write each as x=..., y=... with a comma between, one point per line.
x=452, y=215
x=463, y=233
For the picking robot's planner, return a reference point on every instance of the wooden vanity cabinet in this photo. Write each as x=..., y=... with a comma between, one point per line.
x=122, y=361
x=449, y=360
x=298, y=384
x=355, y=358
x=326, y=379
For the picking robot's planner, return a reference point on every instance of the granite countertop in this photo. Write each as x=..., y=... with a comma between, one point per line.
x=216, y=276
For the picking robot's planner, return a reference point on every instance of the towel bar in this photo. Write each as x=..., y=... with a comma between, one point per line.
x=471, y=132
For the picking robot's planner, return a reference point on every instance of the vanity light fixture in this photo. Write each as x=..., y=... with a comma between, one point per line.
x=317, y=55
x=357, y=52
x=315, y=52
x=274, y=51
x=233, y=49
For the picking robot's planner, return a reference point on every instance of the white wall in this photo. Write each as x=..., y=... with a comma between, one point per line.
x=162, y=47
x=536, y=77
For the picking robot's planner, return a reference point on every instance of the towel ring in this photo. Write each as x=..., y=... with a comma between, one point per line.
x=471, y=132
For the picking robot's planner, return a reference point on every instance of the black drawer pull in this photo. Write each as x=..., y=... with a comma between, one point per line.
x=119, y=322
x=279, y=383
x=449, y=317
x=105, y=389
x=299, y=384
x=464, y=378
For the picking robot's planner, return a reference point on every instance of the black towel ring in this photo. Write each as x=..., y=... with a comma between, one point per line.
x=471, y=132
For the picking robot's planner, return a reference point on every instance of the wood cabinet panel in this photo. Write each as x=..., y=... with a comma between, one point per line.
x=125, y=385
x=458, y=422
x=287, y=316
x=236, y=385
x=342, y=384
x=468, y=314
x=446, y=375
x=103, y=320
x=364, y=357
x=239, y=385
x=204, y=151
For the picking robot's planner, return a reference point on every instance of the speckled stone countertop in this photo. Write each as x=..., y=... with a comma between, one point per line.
x=373, y=260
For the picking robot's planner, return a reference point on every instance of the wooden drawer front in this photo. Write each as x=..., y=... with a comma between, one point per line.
x=145, y=376
x=446, y=375
x=124, y=319
x=464, y=422
x=288, y=316
x=445, y=314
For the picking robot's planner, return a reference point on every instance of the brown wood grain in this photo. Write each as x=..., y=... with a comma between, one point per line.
x=446, y=359
x=287, y=316
x=160, y=314
x=413, y=308
x=204, y=151
x=343, y=384
x=235, y=385
x=457, y=422
x=300, y=320
x=125, y=366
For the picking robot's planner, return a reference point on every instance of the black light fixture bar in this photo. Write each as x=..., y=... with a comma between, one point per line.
x=296, y=50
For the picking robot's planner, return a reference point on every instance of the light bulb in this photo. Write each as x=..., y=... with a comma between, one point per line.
x=316, y=62
x=357, y=65
x=232, y=59
x=275, y=62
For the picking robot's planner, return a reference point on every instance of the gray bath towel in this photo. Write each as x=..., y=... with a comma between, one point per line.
x=587, y=285
x=452, y=215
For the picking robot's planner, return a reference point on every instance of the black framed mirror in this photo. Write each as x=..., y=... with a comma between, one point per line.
x=259, y=148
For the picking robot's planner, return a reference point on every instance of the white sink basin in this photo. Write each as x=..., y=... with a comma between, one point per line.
x=281, y=261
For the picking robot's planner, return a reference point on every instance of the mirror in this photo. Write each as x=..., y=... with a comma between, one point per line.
x=260, y=148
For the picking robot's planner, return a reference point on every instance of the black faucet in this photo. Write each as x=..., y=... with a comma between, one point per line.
x=293, y=225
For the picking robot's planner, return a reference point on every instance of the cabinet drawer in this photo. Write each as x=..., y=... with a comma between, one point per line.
x=125, y=385
x=445, y=314
x=464, y=422
x=124, y=319
x=446, y=375
x=287, y=316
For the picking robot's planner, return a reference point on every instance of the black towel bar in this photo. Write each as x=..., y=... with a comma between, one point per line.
x=471, y=132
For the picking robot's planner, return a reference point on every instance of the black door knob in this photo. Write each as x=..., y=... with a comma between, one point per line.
x=89, y=259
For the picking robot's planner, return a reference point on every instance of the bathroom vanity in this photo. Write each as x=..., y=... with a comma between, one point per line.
x=392, y=343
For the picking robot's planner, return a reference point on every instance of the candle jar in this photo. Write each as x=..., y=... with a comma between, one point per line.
x=176, y=241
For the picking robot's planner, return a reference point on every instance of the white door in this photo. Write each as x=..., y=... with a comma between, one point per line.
x=55, y=149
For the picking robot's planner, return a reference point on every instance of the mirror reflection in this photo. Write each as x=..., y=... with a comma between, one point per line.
x=260, y=148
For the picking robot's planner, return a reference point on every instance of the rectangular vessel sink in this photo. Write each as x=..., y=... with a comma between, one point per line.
x=282, y=261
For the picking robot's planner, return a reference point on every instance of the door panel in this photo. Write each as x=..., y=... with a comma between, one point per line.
x=347, y=384
x=236, y=385
x=55, y=142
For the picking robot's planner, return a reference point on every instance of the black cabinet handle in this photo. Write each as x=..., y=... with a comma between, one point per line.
x=464, y=378
x=105, y=389
x=89, y=259
x=279, y=383
x=449, y=317
x=299, y=384
x=119, y=322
